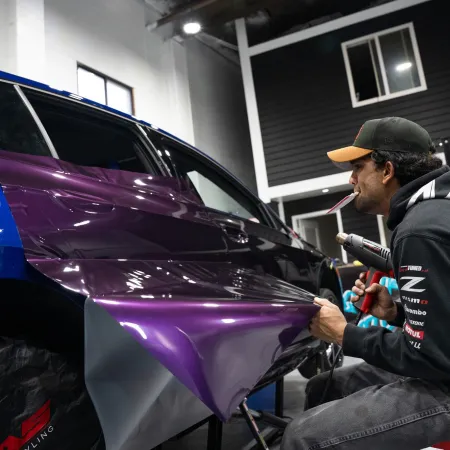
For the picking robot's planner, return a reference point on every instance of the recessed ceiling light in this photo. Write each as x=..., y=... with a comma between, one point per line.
x=192, y=28
x=325, y=190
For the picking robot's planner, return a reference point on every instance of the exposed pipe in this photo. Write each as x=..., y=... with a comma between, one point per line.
x=230, y=56
x=221, y=42
x=180, y=13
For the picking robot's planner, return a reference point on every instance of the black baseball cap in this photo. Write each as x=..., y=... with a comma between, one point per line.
x=393, y=134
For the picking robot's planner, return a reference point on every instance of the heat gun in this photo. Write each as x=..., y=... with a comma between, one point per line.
x=378, y=259
x=374, y=256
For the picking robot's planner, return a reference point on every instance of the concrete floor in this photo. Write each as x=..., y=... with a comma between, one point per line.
x=236, y=435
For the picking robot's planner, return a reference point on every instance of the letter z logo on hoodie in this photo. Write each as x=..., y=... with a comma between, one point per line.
x=413, y=281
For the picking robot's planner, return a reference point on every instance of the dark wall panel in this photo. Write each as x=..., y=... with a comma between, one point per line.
x=363, y=224
x=304, y=99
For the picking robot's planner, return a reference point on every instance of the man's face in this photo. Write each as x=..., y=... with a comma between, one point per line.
x=368, y=182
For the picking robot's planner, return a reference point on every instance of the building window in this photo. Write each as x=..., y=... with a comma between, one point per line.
x=99, y=88
x=383, y=65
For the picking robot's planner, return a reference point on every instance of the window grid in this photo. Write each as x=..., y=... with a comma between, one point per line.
x=106, y=80
x=387, y=92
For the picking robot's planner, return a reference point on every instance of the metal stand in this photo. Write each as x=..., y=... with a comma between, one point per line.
x=277, y=423
x=252, y=425
x=215, y=427
x=279, y=397
x=261, y=440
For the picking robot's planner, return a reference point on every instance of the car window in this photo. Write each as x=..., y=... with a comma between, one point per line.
x=213, y=187
x=86, y=137
x=215, y=197
x=18, y=130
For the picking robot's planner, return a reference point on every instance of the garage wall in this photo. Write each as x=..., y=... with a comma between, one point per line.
x=110, y=37
x=5, y=57
x=14, y=33
x=304, y=98
x=219, y=111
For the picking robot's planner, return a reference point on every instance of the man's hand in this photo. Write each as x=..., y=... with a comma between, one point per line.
x=383, y=307
x=329, y=323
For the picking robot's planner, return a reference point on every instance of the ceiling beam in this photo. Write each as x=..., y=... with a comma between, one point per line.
x=223, y=48
x=327, y=27
x=178, y=14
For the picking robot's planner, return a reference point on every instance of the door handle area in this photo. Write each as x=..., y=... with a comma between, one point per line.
x=236, y=235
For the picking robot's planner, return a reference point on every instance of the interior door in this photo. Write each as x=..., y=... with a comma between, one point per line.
x=311, y=231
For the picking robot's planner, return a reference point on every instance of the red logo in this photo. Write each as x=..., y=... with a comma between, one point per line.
x=414, y=333
x=30, y=428
x=359, y=132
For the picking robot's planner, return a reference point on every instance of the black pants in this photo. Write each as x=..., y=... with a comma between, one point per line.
x=368, y=408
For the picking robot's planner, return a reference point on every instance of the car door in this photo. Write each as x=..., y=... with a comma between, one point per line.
x=103, y=197
x=252, y=239
x=300, y=254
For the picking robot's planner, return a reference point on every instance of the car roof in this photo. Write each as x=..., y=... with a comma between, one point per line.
x=6, y=76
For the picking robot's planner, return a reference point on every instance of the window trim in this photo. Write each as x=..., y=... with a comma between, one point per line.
x=210, y=164
x=131, y=119
x=145, y=155
x=105, y=79
x=345, y=45
x=37, y=121
x=75, y=98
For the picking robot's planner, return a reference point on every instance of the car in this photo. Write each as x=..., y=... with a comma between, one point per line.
x=145, y=288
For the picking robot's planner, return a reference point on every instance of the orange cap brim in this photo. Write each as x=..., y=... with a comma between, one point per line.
x=347, y=154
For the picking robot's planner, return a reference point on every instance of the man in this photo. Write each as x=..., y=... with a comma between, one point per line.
x=399, y=398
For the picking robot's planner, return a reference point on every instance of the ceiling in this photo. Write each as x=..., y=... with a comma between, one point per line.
x=266, y=19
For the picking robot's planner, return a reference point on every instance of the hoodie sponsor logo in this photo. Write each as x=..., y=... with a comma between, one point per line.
x=424, y=193
x=418, y=301
x=417, y=312
x=417, y=323
x=414, y=333
x=412, y=269
x=427, y=192
x=413, y=281
x=416, y=344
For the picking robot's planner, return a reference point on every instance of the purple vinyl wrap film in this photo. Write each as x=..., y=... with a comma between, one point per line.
x=147, y=251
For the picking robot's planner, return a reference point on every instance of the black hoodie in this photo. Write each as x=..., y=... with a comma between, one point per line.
x=420, y=248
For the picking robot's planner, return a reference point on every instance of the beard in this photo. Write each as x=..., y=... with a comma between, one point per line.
x=365, y=205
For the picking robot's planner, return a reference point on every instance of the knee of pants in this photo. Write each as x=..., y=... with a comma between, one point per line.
x=289, y=441
x=293, y=436
x=315, y=388
x=318, y=381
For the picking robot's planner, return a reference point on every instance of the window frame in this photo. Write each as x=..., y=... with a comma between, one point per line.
x=33, y=117
x=146, y=155
x=365, y=39
x=105, y=79
x=243, y=194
